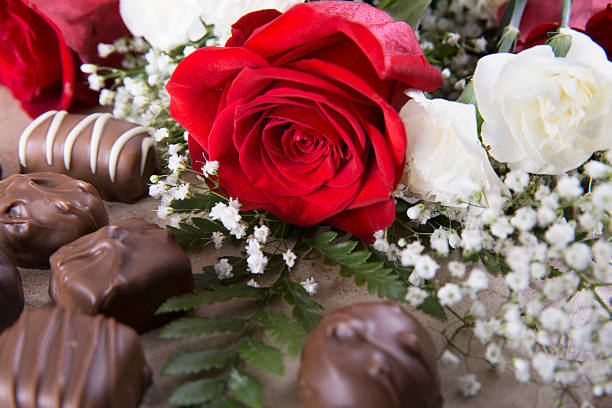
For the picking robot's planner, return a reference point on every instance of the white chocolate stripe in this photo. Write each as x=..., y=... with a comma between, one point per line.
x=96, y=136
x=25, y=135
x=116, y=149
x=145, y=146
x=72, y=136
x=51, y=133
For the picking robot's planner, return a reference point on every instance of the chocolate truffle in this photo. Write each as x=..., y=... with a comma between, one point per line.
x=116, y=156
x=369, y=355
x=126, y=271
x=11, y=293
x=57, y=358
x=40, y=212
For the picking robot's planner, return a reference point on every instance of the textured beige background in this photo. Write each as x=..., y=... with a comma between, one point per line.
x=499, y=391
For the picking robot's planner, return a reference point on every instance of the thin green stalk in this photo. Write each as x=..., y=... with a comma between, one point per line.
x=566, y=11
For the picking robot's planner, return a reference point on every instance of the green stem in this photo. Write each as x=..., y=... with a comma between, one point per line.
x=566, y=11
x=517, y=13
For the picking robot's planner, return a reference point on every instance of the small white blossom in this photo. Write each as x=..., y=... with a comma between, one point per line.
x=521, y=369
x=261, y=233
x=88, y=68
x=468, y=385
x=493, y=354
x=176, y=163
x=546, y=216
x=545, y=365
x=310, y=286
x=596, y=169
x=501, y=228
x=224, y=269
x=471, y=239
x=156, y=190
x=525, y=218
x=217, y=238
x=568, y=187
x=163, y=211
x=210, y=168
x=480, y=44
x=174, y=149
x=538, y=270
x=289, y=257
x=416, y=296
x=555, y=320
x=174, y=220
x=449, y=294
x=426, y=267
x=439, y=241
x=380, y=241
x=188, y=50
x=560, y=234
x=182, y=192
x=457, y=269
x=446, y=73
x=477, y=281
x=578, y=256
x=449, y=360
x=253, y=283
x=160, y=134
x=104, y=50
x=415, y=211
x=485, y=329
x=107, y=97
x=517, y=180
x=602, y=197
x=602, y=252
x=410, y=254
x=96, y=82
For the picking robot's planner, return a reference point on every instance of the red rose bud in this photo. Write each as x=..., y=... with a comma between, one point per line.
x=38, y=62
x=599, y=28
x=299, y=111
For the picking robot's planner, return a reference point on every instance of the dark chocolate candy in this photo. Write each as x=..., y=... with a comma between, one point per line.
x=57, y=358
x=126, y=270
x=116, y=156
x=11, y=292
x=369, y=355
x=40, y=212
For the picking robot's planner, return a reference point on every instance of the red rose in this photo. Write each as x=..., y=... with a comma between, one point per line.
x=298, y=111
x=38, y=60
x=544, y=16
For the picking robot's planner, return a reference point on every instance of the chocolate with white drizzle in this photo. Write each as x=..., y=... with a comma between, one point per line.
x=115, y=156
x=40, y=212
x=57, y=358
x=369, y=355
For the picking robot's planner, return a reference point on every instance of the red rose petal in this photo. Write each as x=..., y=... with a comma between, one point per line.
x=363, y=222
x=244, y=27
x=196, y=86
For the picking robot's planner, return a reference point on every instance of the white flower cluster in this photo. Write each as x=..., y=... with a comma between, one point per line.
x=551, y=240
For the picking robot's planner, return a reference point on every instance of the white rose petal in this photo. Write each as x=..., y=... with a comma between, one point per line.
x=544, y=114
x=445, y=161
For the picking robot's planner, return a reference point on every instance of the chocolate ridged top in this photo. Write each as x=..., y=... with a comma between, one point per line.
x=369, y=355
x=56, y=358
x=40, y=212
x=125, y=270
x=11, y=293
x=116, y=156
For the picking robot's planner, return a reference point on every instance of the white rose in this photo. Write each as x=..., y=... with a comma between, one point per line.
x=444, y=159
x=165, y=24
x=543, y=114
x=224, y=13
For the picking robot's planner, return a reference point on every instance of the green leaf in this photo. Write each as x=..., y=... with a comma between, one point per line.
x=495, y=263
x=432, y=307
x=228, y=403
x=245, y=388
x=409, y=11
x=357, y=257
x=204, y=202
x=205, y=225
x=207, y=297
x=304, y=309
x=196, y=392
x=197, y=361
x=324, y=238
x=198, y=326
x=339, y=250
x=284, y=331
x=261, y=356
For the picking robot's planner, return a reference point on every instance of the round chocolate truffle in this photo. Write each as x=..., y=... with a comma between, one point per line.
x=369, y=355
x=40, y=212
x=11, y=293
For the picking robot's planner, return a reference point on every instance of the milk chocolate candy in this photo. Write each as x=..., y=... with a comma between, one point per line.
x=126, y=270
x=40, y=212
x=115, y=156
x=57, y=358
x=369, y=355
x=11, y=293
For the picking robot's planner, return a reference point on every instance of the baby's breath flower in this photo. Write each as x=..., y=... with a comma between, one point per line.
x=449, y=294
x=224, y=269
x=416, y=296
x=468, y=385
x=289, y=257
x=96, y=82
x=449, y=360
x=217, y=238
x=517, y=180
x=261, y=233
x=310, y=286
x=253, y=283
x=457, y=269
x=104, y=50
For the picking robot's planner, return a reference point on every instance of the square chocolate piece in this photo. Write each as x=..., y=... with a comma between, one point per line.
x=126, y=271
x=57, y=358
